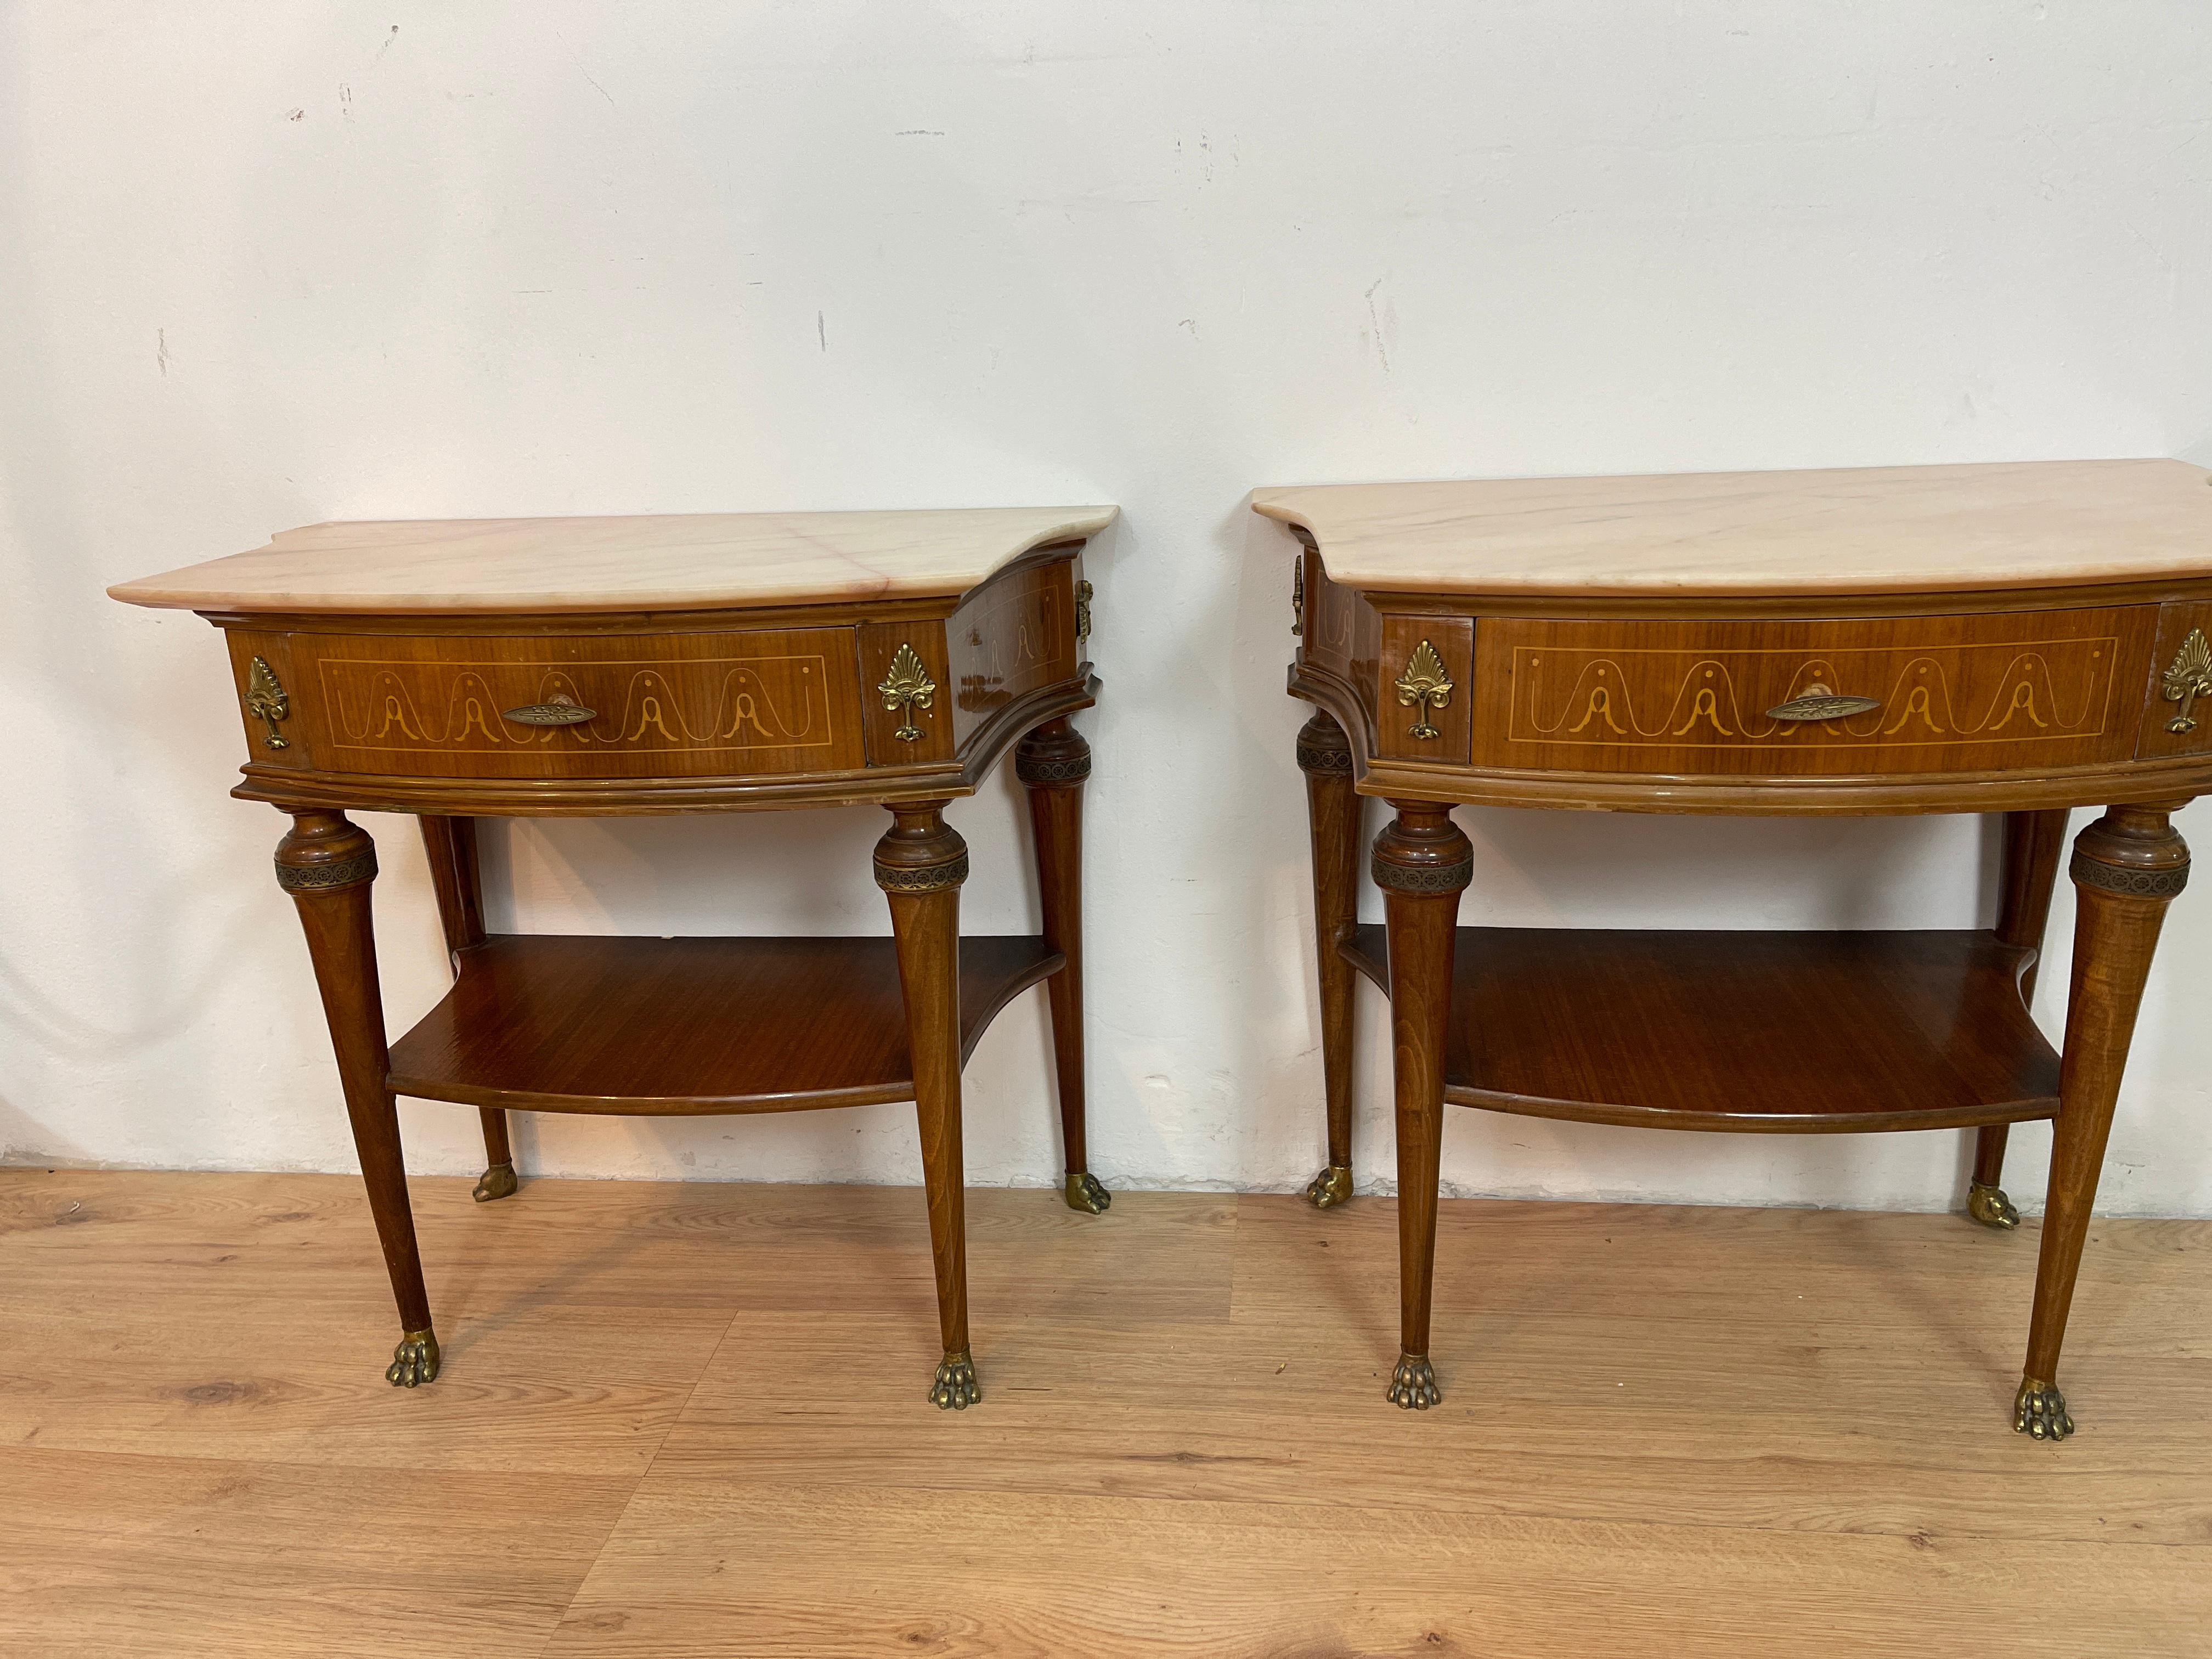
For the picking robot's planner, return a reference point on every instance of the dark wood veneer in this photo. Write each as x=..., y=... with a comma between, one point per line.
x=585, y=1023
x=1774, y=1031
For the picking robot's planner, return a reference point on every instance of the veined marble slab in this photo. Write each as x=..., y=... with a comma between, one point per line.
x=1862, y=530
x=691, y=562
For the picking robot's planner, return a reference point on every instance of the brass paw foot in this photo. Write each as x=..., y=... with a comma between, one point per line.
x=414, y=1361
x=955, y=1389
x=1988, y=1206
x=1413, y=1384
x=498, y=1181
x=1084, y=1193
x=1332, y=1186
x=2039, y=1410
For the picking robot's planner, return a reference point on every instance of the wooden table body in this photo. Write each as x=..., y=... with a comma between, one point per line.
x=906, y=702
x=2026, y=700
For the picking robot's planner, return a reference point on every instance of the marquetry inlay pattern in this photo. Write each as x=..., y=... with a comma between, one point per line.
x=2129, y=883
x=924, y=879
x=318, y=877
x=777, y=703
x=2040, y=693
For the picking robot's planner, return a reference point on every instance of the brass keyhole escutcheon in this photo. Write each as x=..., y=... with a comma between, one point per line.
x=905, y=689
x=1424, y=685
x=266, y=702
x=2188, y=678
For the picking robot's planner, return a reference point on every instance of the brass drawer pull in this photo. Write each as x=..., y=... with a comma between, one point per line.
x=560, y=711
x=1817, y=702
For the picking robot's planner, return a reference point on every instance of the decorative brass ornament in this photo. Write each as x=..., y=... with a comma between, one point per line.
x=265, y=700
x=2188, y=678
x=1414, y=1383
x=1988, y=1206
x=1083, y=591
x=1421, y=877
x=414, y=1361
x=1330, y=1188
x=1424, y=685
x=922, y=879
x=1817, y=702
x=333, y=872
x=2086, y=871
x=2038, y=1410
x=1084, y=1193
x=559, y=709
x=1298, y=597
x=498, y=1181
x=908, y=687
x=955, y=1389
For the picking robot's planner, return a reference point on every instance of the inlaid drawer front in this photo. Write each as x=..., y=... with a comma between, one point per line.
x=553, y=706
x=2003, y=691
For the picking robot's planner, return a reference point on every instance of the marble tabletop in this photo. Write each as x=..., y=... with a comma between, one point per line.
x=690, y=561
x=1862, y=530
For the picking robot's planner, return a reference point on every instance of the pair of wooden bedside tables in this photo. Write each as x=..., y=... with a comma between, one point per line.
x=2012, y=639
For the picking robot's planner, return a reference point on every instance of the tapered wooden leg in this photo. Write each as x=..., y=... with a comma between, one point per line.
x=2033, y=841
x=920, y=865
x=326, y=863
x=452, y=846
x=2127, y=867
x=1051, y=763
x=1332, y=813
x=1422, y=863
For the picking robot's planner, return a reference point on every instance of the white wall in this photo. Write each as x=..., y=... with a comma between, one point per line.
x=264, y=264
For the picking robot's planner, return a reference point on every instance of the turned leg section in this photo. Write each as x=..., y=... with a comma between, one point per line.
x=451, y=844
x=327, y=864
x=1332, y=814
x=1051, y=763
x=2127, y=867
x=920, y=863
x=2033, y=841
x=1422, y=863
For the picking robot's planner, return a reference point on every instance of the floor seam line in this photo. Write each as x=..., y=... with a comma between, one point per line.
x=643, y=1474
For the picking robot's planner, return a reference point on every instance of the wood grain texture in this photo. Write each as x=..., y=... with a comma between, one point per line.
x=2034, y=843
x=1767, y=1031
x=674, y=704
x=1052, y=762
x=1700, y=1431
x=593, y=1023
x=2032, y=690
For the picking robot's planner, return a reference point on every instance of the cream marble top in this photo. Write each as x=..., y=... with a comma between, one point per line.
x=1863, y=530
x=694, y=561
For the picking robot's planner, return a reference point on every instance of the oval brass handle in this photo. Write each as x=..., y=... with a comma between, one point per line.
x=560, y=712
x=1817, y=702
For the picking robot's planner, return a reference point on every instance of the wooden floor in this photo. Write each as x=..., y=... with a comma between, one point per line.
x=689, y=1419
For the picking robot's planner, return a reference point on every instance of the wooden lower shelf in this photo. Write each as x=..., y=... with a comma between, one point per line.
x=1762, y=1031
x=566, y=1023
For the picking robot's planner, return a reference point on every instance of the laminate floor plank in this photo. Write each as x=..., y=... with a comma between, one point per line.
x=689, y=1420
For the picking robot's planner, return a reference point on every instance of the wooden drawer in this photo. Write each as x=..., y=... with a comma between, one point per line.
x=1994, y=692
x=710, y=703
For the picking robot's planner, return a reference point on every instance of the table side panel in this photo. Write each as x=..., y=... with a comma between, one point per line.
x=1013, y=636
x=1341, y=632
x=2017, y=691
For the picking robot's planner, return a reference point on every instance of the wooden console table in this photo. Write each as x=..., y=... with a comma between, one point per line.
x=2015, y=638
x=590, y=666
